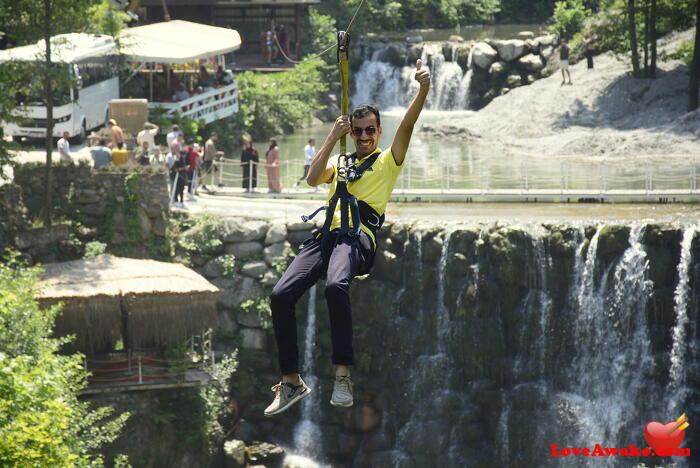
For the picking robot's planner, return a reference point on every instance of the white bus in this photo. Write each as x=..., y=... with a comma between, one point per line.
x=89, y=62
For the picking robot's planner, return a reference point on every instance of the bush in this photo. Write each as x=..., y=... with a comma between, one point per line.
x=42, y=423
x=568, y=18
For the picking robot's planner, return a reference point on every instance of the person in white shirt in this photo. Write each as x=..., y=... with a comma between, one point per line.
x=309, y=153
x=64, y=147
x=173, y=135
x=148, y=134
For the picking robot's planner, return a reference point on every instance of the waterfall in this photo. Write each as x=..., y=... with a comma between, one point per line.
x=390, y=86
x=611, y=340
x=677, y=377
x=307, y=434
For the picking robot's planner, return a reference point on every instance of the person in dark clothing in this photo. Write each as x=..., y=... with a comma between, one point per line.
x=248, y=155
x=588, y=43
x=180, y=167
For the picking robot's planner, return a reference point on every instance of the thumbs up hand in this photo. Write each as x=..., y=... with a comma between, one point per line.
x=422, y=75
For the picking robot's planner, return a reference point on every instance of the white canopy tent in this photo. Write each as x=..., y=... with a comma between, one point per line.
x=177, y=41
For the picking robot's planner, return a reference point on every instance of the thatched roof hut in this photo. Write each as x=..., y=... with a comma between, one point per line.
x=148, y=303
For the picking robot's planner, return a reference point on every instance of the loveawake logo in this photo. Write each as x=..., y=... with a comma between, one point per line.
x=664, y=440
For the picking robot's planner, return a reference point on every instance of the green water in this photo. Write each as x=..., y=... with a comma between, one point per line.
x=473, y=32
x=435, y=163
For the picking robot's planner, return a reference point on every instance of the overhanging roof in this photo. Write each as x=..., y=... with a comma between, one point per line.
x=177, y=41
x=67, y=48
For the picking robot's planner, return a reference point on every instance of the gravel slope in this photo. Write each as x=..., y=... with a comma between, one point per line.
x=605, y=112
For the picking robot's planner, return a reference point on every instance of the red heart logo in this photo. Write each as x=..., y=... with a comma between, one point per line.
x=660, y=438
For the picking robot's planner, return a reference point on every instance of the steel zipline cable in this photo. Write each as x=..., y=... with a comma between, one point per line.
x=320, y=54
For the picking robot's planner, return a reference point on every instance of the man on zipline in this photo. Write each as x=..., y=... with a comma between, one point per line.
x=339, y=248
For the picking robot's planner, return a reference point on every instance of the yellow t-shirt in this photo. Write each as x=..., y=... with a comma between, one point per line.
x=374, y=187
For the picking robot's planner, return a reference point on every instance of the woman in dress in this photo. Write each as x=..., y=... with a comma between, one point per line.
x=272, y=164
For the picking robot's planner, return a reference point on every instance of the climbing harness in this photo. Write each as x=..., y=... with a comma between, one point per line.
x=347, y=172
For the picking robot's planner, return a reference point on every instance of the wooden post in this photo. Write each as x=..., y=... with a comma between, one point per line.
x=140, y=371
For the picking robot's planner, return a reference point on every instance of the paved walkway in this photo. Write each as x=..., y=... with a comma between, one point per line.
x=291, y=209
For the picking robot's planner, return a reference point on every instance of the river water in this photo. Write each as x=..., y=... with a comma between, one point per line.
x=440, y=163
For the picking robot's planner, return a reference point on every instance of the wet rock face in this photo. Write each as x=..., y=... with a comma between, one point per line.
x=481, y=328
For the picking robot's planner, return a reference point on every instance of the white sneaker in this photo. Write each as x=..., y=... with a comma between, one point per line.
x=286, y=394
x=342, y=391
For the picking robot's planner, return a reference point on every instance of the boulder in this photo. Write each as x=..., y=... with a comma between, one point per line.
x=253, y=338
x=265, y=453
x=525, y=35
x=456, y=38
x=234, y=454
x=299, y=226
x=237, y=290
x=276, y=253
x=160, y=226
x=392, y=55
x=513, y=80
x=531, y=62
x=545, y=41
x=244, y=249
x=510, y=50
x=414, y=39
x=270, y=278
x=276, y=233
x=483, y=55
x=235, y=230
x=414, y=53
x=498, y=68
x=86, y=196
x=462, y=56
x=248, y=319
x=94, y=209
x=226, y=323
x=212, y=269
x=254, y=269
x=144, y=223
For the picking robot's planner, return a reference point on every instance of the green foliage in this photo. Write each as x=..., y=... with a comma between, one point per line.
x=275, y=103
x=42, y=423
x=105, y=18
x=94, y=248
x=261, y=307
x=217, y=397
x=684, y=52
x=569, y=17
x=525, y=11
x=228, y=265
x=195, y=129
x=203, y=238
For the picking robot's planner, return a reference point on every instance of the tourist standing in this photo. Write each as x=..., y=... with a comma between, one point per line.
x=173, y=136
x=249, y=164
x=211, y=157
x=588, y=43
x=148, y=134
x=272, y=165
x=309, y=153
x=180, y=168
x=564, y=52
x=144, y=155
x=101, y=155
x=117, y=135
x=63, y=147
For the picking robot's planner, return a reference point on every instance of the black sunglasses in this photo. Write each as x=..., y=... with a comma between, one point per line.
x=371, y=130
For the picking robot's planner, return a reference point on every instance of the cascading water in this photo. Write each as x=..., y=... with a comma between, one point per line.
x=389, y=86
x=609, y=376
x=307, y=434
x=677, y=377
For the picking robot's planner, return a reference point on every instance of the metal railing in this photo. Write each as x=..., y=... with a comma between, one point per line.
x=209, y=106
x=523, y=177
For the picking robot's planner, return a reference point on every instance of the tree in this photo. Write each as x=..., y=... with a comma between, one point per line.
x=695, y=65
x=632, y=18
x=42, y=423
x=27, y=21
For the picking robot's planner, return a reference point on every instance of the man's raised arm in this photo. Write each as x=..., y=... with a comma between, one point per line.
x=405, y=130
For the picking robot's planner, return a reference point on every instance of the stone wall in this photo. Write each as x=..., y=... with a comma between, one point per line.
x=466, y=337
x=127, y=209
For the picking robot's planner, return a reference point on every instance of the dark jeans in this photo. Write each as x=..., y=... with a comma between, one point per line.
x=589, y=58
x=342, y=259
x=306, y=172
x=181, y=182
